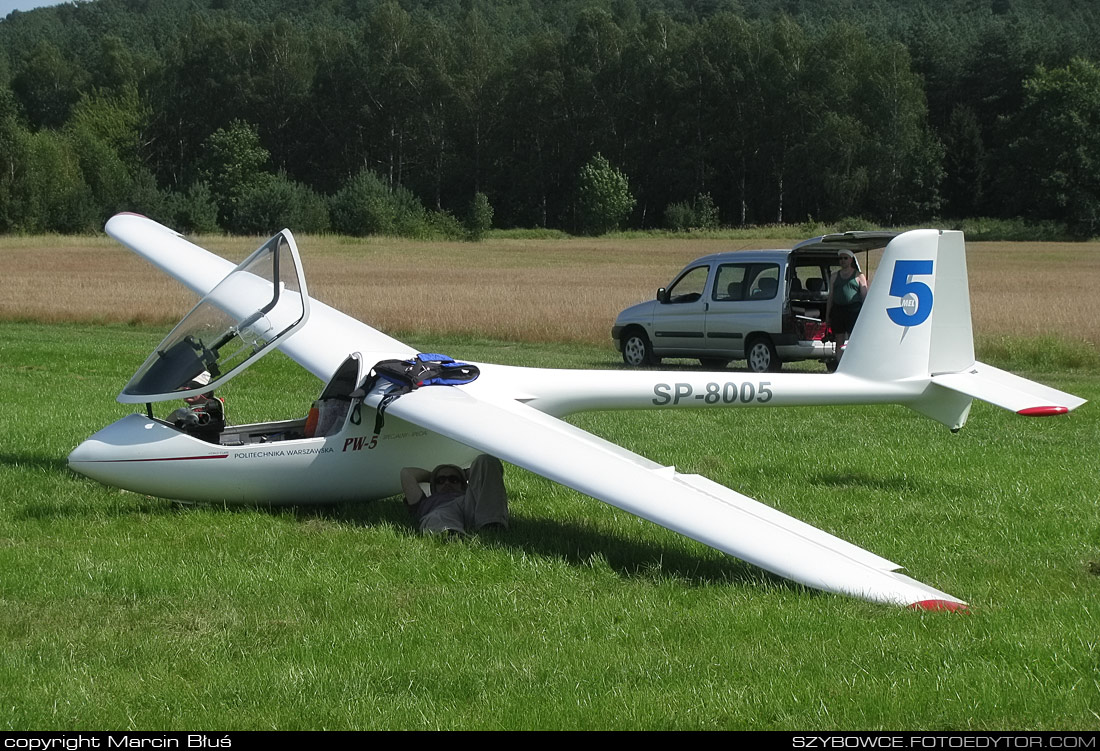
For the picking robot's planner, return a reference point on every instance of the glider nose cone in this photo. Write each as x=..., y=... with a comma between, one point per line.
x=149, y=456
x=81, y=456
x=114, y=453
x=96, y=457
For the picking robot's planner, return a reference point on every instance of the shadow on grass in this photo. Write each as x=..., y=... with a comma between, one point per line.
x=34, y=461
x=579, y=545
x=573, y=543
x=893, y=484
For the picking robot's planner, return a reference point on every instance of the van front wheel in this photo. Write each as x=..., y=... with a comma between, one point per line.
x=637, y=351
x=761, y=356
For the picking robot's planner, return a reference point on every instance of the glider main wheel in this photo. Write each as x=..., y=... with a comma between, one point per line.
x=761, y=355
x=637, y=351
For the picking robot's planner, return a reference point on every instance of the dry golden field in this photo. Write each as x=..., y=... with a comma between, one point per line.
x=551, y=290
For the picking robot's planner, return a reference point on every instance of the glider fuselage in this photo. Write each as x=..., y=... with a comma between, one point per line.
x=263, y=467
x=275, y=464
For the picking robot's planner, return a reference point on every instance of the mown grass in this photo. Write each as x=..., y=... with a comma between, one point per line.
x=122, y=611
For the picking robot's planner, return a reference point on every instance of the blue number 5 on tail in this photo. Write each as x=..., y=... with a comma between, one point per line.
x=911, y=312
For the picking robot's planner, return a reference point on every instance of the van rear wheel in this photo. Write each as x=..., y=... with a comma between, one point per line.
x=761, y=355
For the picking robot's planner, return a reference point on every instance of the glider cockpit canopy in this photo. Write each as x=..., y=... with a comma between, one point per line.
x=258, y=304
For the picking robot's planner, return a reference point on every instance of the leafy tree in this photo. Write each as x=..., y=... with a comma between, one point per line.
x=604, y=200
x=706, y=212
x=116, y=68
x=203, y=85
x=679, y=216
x=479, y=218
x=48, y=84
x=1059, y=149
x=12, y=137
x=665, y=147
x=410, y=218
x=533, y=170
x=363, y=206
x=105, y=135
x=477, y=93
x=147, y=199
x=964, y=163
x=442, y=225
x=902, y=157
x=48, y=192
x=272, y=202
x=196, y=210
x=392, y=81
x=233, y=164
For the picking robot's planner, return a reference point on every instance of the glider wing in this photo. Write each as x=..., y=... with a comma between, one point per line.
x=689, y=504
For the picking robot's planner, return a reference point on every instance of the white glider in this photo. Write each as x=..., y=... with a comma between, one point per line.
x=912, y=345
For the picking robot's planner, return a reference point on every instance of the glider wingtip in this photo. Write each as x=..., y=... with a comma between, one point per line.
x=951, y=606
x=122, y=215
x=1046, y=411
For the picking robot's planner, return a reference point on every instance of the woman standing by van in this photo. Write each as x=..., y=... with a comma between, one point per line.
x=847, y=290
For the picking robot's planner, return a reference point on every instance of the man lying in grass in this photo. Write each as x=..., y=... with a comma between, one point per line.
x=458, y=502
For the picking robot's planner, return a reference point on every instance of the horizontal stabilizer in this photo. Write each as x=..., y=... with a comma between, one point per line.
x=1008, y=391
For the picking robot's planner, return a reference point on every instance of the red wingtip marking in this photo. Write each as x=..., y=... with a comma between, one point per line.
x=1043, y=411
x=951, y=607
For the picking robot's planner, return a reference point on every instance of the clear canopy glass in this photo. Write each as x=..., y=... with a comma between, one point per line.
x=259, y=303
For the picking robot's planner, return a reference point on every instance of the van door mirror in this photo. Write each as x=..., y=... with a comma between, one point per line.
x=662, y=295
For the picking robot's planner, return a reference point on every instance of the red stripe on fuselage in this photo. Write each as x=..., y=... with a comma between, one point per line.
x=163, y=459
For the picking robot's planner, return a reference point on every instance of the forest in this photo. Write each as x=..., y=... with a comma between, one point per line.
x=445, y=117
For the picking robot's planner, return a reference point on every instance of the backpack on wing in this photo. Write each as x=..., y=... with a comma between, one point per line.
x=403, y=376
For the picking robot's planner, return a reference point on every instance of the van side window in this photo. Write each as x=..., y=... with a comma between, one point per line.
x=765, y=284
x=690, y=286
x=746, y=281
x=730, y=282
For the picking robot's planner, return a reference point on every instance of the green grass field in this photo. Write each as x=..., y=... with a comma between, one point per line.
x=121, y=611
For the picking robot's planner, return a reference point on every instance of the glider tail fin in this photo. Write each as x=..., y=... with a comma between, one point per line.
x=915, y=326
x=916, y=318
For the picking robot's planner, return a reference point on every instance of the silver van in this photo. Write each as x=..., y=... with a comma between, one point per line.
x=763, y=306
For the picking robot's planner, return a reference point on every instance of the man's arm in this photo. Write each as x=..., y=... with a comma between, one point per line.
x=411, y=477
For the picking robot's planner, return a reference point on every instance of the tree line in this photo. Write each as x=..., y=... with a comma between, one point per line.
x=433, y=118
